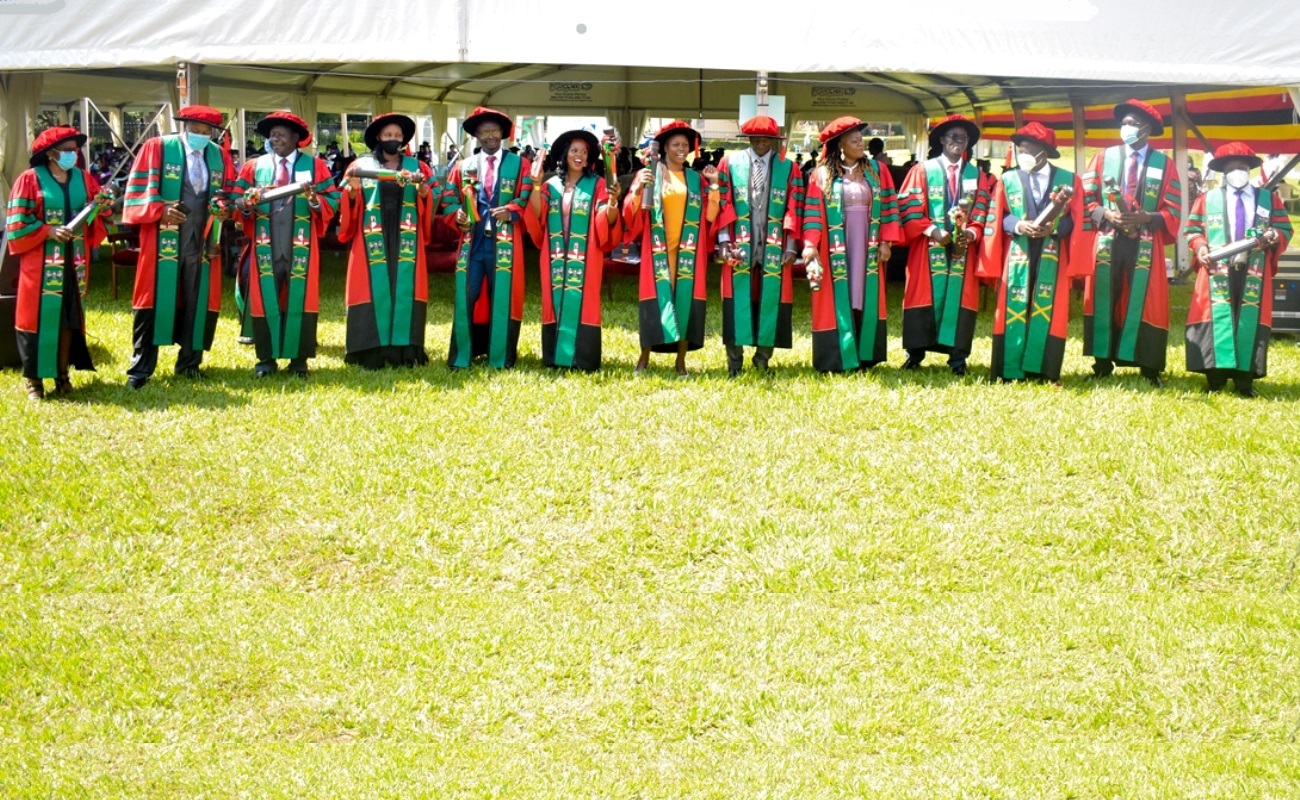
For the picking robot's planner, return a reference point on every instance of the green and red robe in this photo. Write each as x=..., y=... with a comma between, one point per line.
x=758, y=304
x=672, y=308
x=492, y=327
x=1032, y=317
x=572, y=266
x=36, y=208
x=837, y=345
x=381, y=313
x=1131, y=329
x=1220, y=337
x=154, y=184
x=941, y=297
x=286, y=326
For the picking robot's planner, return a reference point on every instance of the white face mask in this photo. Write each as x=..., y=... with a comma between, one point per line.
x=1237, y=178
x=1130, y=133
x=1027, y=162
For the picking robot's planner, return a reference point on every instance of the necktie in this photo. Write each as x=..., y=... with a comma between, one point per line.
x=952, y=182
x=757, y=180
x=490, y=179
x=1130, y=180
x=1240, y=231
x=282, y=177
x=196, y=171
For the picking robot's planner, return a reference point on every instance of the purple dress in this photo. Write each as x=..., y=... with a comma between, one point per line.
x=857, y=224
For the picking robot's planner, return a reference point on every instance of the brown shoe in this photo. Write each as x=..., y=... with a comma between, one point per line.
x=63, y=386
x=35, y=390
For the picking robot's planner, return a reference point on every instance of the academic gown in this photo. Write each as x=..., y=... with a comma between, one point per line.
x=489, y=309
x=1201, y=327
x=602, y=236
x=920, y=320
x=791, y=208
x=1140, y=342
x=39, y=317
x=1039, y=331
x=837, y=346
x=289, y=302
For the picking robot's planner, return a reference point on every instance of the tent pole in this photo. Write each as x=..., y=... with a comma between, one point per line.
x=243, y=134
x=1178, y=101
x=760, y=94
x=85, y=128
x=1080, y=137
x=346, y=149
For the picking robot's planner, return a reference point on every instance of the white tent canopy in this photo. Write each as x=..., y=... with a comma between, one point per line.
x=1106, y=40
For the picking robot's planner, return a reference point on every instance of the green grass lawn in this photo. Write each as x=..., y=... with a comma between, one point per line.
x=547, y=585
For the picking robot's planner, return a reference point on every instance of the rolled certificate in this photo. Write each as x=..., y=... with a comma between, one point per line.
x=1059, y=200
x=1238, y=248
x=283, y=192
x=85, y=215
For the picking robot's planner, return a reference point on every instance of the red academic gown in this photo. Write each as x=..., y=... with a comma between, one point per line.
x=602, y=236
x=1153, y=329
x=827, y=354
x=27, y=234
x=143, y=206
x=637, y=227
x=1200, y=328
x=919, y=321
x=481, y=314
x=791, y=224
x=993, y=266
x=320, y=220
x=406, y=341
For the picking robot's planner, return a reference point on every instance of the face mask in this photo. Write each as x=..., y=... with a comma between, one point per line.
x=1026, y=162
x=198, y=141
x=67, y=159
x=1130, y=133
x=391, y=146
x=1237, y=178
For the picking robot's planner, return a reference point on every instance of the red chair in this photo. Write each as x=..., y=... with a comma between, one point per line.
x=125, y=243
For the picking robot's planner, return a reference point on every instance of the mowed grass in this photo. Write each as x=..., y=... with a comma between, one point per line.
x=543, y=584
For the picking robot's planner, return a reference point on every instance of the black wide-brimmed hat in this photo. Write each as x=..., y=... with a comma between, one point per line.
x=383, y=121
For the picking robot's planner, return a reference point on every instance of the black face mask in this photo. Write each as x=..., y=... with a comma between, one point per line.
x=391, y=146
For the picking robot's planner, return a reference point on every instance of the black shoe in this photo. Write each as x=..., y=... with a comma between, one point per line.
x=193, y=373
x=911, y=363
x=244, y=340
x=1215, y=386
x=300, y=374
x=1103, y=369
x=959, y=370
x=733, y=372
x=136, y=381
x=1247, y=389
x=263, y=372
x=1154, y=379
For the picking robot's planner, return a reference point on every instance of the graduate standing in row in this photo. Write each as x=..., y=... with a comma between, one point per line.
x=176, y=195
x=573, y=219
x=943, y=211
x=1230, y=319
x=850, y=225
x=284, y=243
x=672, y=211
x=50, y=321
x=1030, y=261
x=759, y=231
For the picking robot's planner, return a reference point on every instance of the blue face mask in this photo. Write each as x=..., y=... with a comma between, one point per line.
x=198, y=141
x=67, y=159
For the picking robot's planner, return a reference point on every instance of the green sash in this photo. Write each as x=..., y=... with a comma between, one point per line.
x=286, y=333
x=1025, y=334
x=947, y=276
x=1102, y=302
x=839, y=267
x=1234, y=345
x=167, y=275
x=568, y=265
x=675, y=307
x=48, y=323
x=462, y=315
x=393, y=309
x=773, y=253
x=860, y=345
